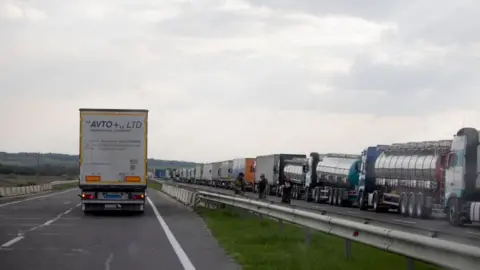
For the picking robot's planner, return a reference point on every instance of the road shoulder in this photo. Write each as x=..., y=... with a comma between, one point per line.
x=192, y=233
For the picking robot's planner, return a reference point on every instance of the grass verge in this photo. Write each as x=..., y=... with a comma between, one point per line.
x=154, y=185
x=259, y=245
x=64, y=186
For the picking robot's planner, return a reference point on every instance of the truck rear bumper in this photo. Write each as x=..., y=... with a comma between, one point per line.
x=112, y=202
x=135, y=206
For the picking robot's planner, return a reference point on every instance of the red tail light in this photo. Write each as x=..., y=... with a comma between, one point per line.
x=87, y=196
x=138, y=197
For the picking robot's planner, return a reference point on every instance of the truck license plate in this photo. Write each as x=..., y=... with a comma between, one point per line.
x=110, y=206
x=112, y=195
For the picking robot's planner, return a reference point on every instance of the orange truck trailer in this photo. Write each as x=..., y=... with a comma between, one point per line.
x=245, y=166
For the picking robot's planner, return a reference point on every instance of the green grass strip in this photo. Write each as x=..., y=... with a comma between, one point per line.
x=259, y=245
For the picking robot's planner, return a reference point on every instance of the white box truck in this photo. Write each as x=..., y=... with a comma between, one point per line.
x=113, y=159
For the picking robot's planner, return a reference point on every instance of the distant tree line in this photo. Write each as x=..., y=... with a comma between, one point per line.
x=46, y=170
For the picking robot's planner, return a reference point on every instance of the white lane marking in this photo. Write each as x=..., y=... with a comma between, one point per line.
x=182, y=256
x=19, y=225
x=404, y=221
x=475, y=233
x=36, y=198
x=20, y=218
x=108, y=261
x=22, y=234
x=13, y=241
x=45, y=234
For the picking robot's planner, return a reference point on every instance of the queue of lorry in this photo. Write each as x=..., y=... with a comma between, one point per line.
x=413, y=178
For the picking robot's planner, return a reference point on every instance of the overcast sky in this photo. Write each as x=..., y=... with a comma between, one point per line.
x=235, y=78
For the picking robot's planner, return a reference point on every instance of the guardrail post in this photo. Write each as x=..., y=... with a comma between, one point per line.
x=348, y=248
x=280, y=226
x=410, y=264
x=308, y=235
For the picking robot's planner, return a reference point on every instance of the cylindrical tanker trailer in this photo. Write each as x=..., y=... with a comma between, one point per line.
x=332, y=178
x=409, y=177
x=294, y=169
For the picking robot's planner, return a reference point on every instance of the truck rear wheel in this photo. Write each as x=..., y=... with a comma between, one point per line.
x=308, y=194
x=423, y=211
x=338, y=197
x=412, y=205
x=404, y=205
x=361, y=200
x=454, y=213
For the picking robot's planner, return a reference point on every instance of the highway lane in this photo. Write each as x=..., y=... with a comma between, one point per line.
x=52, y=232
x=468, y=234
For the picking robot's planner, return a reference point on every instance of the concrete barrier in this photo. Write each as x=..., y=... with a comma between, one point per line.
x=16, y=191
x=184, y=196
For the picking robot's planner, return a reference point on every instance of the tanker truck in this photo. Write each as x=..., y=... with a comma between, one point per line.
x=273, y=167
x=408, y=177
x=332, y=178
x=462, y=176
x=294, y=169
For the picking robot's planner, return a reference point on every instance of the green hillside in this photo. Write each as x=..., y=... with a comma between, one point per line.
x=30, y=161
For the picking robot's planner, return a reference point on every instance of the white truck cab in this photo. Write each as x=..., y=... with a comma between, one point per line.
x=462, y=178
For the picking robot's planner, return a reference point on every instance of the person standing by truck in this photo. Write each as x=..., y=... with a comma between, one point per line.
x=262, y=185
x=286, y=190
x=239, y=184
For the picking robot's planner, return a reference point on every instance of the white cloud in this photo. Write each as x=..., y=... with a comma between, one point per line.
x=225, y=79
x=12, y=11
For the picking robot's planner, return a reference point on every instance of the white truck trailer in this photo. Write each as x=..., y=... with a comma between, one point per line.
x=198, y=173
x=113, y=159
x=207, y=174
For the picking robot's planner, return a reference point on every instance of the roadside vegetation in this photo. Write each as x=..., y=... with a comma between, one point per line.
x=154, y=185
x=58, y=164
x=64, y=186
x=260, y=245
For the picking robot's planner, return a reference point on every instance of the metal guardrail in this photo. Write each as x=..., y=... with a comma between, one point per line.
x=439, y=252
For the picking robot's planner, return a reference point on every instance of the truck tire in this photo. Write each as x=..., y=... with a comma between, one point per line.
x=453, y=212
x=330, y=197
x=361, y=201
x=376, y=203
x=403, y=205
x=422, y=211
x=338, y=200
x=307, y=194
x=412, y=205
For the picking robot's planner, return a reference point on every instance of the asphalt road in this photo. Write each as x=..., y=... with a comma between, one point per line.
x=468, y=234
x=51, y=232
